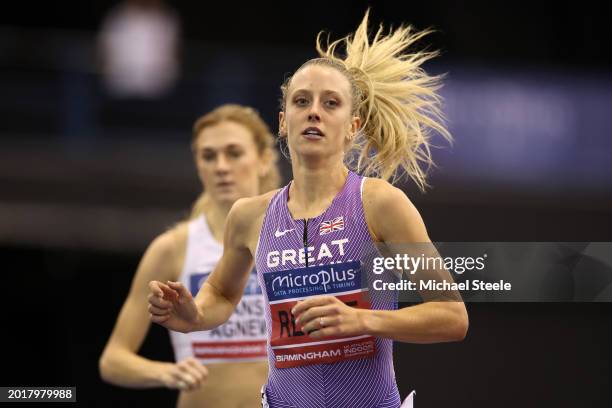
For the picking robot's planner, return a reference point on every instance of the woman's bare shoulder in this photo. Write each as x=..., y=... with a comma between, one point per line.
x=163, y=257
x=400, y=220
x=377, y=192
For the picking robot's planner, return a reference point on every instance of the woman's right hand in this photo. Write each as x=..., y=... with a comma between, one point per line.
x=186, y=375
x=172, y=306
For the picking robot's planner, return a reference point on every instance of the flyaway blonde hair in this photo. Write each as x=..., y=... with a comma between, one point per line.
x=395, y=98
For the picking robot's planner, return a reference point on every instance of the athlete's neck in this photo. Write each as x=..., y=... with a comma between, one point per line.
x=216, y=214
x=313, y=189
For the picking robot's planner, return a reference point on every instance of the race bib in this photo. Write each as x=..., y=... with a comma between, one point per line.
x=292, y=347
x=243, y=337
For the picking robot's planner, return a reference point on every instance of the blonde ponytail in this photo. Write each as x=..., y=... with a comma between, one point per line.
x=395, y=98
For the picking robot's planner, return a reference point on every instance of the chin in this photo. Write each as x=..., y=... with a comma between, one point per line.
x=311, y=149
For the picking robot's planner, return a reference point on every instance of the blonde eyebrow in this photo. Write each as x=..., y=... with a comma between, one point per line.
x=325, y=92
x=309, y=91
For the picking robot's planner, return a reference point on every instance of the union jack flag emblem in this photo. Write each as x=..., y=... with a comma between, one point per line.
x=337, y=224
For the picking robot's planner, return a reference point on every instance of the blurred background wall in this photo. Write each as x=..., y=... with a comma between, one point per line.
x=97, y=101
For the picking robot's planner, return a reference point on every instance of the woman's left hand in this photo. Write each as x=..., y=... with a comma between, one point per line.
x=326, y=316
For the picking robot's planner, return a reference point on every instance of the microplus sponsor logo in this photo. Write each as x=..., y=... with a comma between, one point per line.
x=314, y=280
x=322, y=277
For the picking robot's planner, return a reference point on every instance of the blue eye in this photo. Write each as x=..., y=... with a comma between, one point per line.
x=332, y=103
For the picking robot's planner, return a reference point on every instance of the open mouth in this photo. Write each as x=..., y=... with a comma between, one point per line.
x=313, y=133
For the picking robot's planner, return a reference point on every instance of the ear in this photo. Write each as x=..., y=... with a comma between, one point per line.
x=354, y=128
x=282, y=125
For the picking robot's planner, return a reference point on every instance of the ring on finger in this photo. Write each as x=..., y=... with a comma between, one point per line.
x=321, y=322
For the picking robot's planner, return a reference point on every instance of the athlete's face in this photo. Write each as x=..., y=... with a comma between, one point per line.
x=318, y=118
x=228, y=162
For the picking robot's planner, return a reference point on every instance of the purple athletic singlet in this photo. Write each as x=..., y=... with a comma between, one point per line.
x=325, y=255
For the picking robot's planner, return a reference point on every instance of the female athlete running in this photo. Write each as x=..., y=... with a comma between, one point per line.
x=234, y=155
x=330, y=336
